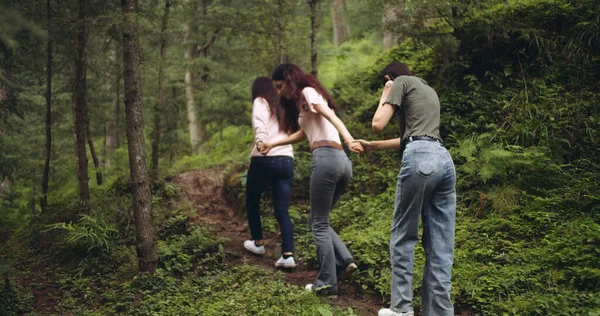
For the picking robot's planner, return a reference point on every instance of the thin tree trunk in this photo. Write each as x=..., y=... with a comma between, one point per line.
x=48, y=147
x=88, y=131
x=195, y=128
x=118, y=103
x=281, y=30
x=158, y=124
x=341, y=28
x=172, y=124
x=79, y=100
x=313, y=37
x=146, y=247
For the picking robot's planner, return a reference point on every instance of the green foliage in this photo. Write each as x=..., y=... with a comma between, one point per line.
x=179, y=253
x=12, y=301
x=89, y=234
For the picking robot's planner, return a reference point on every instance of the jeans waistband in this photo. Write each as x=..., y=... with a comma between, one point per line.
x=421, y=137
x=325, y=143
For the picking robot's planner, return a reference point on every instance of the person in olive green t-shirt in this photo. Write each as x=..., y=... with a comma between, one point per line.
x=426, y=188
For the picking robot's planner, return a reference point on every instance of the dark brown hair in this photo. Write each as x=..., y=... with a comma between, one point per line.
x=263, y=88
x=395, y=69
x=297, y=79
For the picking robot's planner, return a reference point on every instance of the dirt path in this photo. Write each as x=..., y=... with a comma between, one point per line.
x=205, y=189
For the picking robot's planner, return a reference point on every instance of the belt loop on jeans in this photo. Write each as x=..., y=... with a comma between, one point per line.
x=325, y=143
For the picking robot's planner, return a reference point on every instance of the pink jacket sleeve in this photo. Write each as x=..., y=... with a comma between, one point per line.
x=260, y=119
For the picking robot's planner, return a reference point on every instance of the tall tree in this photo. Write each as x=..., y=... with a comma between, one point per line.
x=90, y=141
x=79, y=107
x=341, y=27
x=48, y=147
x=160, y=104
x=146, y=247
x=313, y=36
x=191, y=54
x=392, y=20
x=280, y=30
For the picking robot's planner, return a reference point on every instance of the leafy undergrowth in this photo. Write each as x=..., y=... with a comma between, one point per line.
x=87, y=266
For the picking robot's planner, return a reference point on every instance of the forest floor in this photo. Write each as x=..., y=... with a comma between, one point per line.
x=205, y=189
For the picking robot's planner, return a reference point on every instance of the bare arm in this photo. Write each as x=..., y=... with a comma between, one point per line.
x=328, y=113
x=292, y=139
x=384, y=111
x=380, y=144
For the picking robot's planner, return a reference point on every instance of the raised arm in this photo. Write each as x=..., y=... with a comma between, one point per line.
x=384, y=112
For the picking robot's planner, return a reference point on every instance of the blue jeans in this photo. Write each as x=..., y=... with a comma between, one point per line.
x=426, y=188
x=331, y=174
x=279, y=171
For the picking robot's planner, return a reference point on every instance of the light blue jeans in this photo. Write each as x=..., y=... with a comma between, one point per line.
x=426, y=188
x=331, y=174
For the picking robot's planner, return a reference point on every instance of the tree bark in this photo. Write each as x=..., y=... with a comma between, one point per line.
x=48, y=147
x=146, y=247
x=158, y=124
x=88, y=131
x=191, y=54
x=281, y=31
x=118, y=103
x=341, y=28
x=392, y=18
x=79, y=100
x=313, y=37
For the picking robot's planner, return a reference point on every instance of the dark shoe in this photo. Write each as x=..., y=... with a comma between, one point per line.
x=350, y=268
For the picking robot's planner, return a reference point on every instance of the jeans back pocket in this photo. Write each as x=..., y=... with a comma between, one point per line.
x=427, y=163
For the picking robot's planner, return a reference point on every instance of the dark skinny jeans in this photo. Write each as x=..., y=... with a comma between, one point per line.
x=279, y=171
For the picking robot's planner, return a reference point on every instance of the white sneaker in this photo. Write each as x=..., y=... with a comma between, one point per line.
x=310, y=288
x=285, y=263
x=389, y=312
x=253, y=248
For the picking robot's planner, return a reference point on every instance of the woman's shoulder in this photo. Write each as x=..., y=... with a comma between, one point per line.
x=309, y=89
x=260, y=101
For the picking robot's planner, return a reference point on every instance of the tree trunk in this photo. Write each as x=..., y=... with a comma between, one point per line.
x=391, y=20
x=158, y=124
x=118, y=103
x=48, y=147
x=79, y=100
x=313, y=37
x=341, y=28
x=142, y=207
x=88, y=131
x=195, y=127
x=281, y=30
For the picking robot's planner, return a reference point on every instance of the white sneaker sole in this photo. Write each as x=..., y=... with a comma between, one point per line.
x=285, y=265
x=254, y=251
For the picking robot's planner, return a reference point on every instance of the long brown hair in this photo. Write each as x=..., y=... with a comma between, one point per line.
x=297, y=79
x=263, y=88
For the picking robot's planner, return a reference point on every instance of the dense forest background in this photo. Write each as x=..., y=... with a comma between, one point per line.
x=103, y=105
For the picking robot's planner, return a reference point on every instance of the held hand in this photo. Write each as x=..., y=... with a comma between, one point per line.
x=260, y=145
x=266, y=147
x=368, y=146
x=354, y=146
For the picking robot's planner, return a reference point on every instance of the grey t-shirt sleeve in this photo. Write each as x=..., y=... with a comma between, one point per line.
x=397, y=92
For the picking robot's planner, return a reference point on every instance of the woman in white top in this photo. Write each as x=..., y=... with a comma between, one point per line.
x=276, y=168
x=308, y=110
